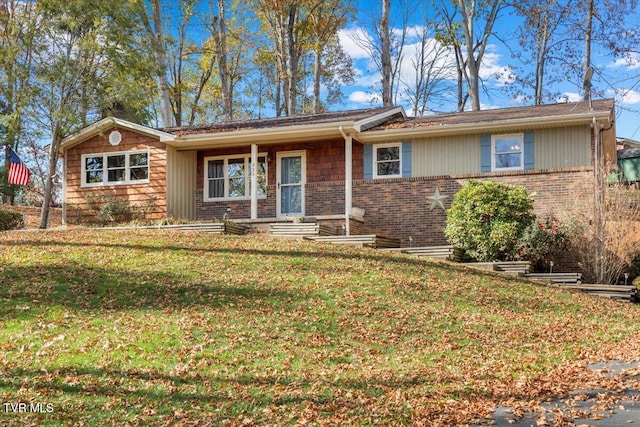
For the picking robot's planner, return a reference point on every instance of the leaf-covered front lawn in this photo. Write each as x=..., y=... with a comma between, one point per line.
x=161, y=328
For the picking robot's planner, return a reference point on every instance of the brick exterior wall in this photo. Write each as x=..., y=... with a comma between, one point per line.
x=394, y=207
x=147, y=199
x=400, y=208
x=325, y=163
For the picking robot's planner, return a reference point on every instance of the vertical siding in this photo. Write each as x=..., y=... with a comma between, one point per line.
x=181, y=183
x=453, y=155
x=563, y=147
x=445, y=156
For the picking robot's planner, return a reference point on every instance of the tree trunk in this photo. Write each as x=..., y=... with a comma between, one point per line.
x=277, y=99
x=48, y=179
x=292, y=70
x=317, y=71
x=541, y=57
x=220, y=37
x=385, y=39
x=586, y=87
x=161, y=57
x=282, y=80
x=9, y=194
x=460, y=65
x=476, y=49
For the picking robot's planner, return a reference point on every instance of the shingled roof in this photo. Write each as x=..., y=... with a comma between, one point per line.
x=279, y=122
x=369, y=125
x=501, y=114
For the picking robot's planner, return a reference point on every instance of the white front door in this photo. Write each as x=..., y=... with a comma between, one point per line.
x=291, y=178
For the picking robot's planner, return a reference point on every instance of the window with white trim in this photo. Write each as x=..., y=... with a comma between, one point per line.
x=507, y=152
x=387, y=160
x=228, y=177
x=127, y=167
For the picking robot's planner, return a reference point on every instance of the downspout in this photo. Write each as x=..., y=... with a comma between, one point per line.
x=253, y=170
x=598, y=210
x=596, y=148
x=64, y=188
x=348, y=177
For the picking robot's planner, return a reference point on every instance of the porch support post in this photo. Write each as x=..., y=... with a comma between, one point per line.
x=348, y=178
x=253, y=168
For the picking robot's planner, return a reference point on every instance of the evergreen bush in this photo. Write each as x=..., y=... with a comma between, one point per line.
x=488, y=219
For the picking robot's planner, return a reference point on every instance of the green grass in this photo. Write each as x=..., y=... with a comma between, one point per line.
x=162, y=328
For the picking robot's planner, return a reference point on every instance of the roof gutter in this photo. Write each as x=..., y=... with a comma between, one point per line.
x=480, y=127
x=262, y=136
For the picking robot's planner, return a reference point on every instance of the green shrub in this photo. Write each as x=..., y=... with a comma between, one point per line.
x=10, y=219
x=488, y=220
x=109, y=209
x=115, y=211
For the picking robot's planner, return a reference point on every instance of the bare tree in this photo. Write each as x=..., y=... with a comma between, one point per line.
x=448, y=34
x=384, y=43
x=385, y=54
x=191, y=66
x=588, y=34
x=472, y=13
x=604, y=234
x=603, y=24
x=220, y=42
x=544, y=37
x=431, y=69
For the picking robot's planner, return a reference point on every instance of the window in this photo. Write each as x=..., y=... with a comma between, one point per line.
x=115, y=168
x=507, y=152
x=229, y=177
x=387, y=161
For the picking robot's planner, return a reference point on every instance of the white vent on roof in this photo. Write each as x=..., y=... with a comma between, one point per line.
x=115, y=137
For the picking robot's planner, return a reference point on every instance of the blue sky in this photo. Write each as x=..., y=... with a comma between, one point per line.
x=615, y=77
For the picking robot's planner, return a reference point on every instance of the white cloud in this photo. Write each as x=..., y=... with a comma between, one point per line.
x=570, y=97
x=348, y=42
x=625, y=96
x=368, y=80
x=492, y=69
x=445, y=60
x=519, y=100
x=484, y=106
x=361, y=97
x=631, y=62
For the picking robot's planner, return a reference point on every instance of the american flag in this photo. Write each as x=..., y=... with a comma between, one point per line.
x=19, y=173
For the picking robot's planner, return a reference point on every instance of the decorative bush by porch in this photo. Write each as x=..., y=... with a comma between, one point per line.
x=488, y=219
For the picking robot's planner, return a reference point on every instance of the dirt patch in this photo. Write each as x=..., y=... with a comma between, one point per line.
x=32, y=215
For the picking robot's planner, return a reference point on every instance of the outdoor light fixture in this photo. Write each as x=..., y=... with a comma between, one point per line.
x=550, y=266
